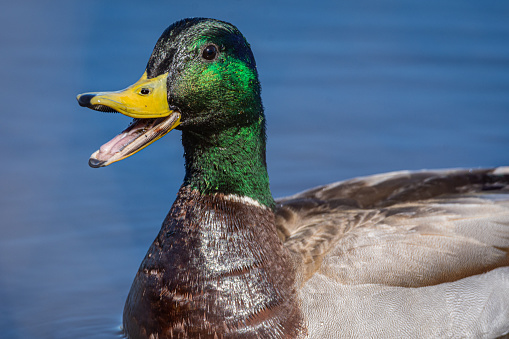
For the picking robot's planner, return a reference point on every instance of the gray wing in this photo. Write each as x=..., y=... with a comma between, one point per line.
x=422, y=251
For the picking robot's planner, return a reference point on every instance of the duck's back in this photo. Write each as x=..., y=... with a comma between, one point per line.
x=405, y=254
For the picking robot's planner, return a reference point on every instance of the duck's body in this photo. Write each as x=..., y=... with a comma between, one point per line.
x=404, y=254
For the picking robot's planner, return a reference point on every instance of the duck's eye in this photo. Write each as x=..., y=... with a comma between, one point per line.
x=145, y=91
x=209, y=52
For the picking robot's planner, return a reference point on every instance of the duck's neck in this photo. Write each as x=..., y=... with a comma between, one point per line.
x=231, y=161
x=217, y=268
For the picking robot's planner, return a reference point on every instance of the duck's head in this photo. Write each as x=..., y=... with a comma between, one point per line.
x=201, y=76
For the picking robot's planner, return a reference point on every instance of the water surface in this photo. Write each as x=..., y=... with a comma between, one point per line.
x=350, y=89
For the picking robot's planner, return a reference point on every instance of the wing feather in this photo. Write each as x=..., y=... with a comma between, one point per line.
x=403, y=255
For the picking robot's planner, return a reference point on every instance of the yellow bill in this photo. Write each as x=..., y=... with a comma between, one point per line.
x=145, y=101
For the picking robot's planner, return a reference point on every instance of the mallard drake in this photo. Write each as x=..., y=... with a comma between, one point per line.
x=405, y=254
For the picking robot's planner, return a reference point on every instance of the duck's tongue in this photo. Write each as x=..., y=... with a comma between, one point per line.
x=138, y=135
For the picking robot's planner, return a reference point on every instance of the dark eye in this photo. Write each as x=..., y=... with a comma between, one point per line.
x=209, y=52
x=145, y=91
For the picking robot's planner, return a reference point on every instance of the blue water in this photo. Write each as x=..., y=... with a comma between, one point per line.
x=350, y=88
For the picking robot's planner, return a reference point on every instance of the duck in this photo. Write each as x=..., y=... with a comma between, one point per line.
x=420, y=254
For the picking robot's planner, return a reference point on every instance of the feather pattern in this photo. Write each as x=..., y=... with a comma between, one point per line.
x=426, y=249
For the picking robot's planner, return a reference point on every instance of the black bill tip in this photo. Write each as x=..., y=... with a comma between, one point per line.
x=92, y=162
x=84, y=100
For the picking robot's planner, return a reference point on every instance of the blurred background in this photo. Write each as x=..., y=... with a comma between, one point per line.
x=350, y=89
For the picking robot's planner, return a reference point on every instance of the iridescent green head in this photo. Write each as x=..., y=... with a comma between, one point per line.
x=211, y=69
x=201, y=78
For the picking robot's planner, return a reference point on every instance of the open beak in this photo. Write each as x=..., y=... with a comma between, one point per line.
x=145, y=101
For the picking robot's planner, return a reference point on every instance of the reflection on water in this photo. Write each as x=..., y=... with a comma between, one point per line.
x=349, y=89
